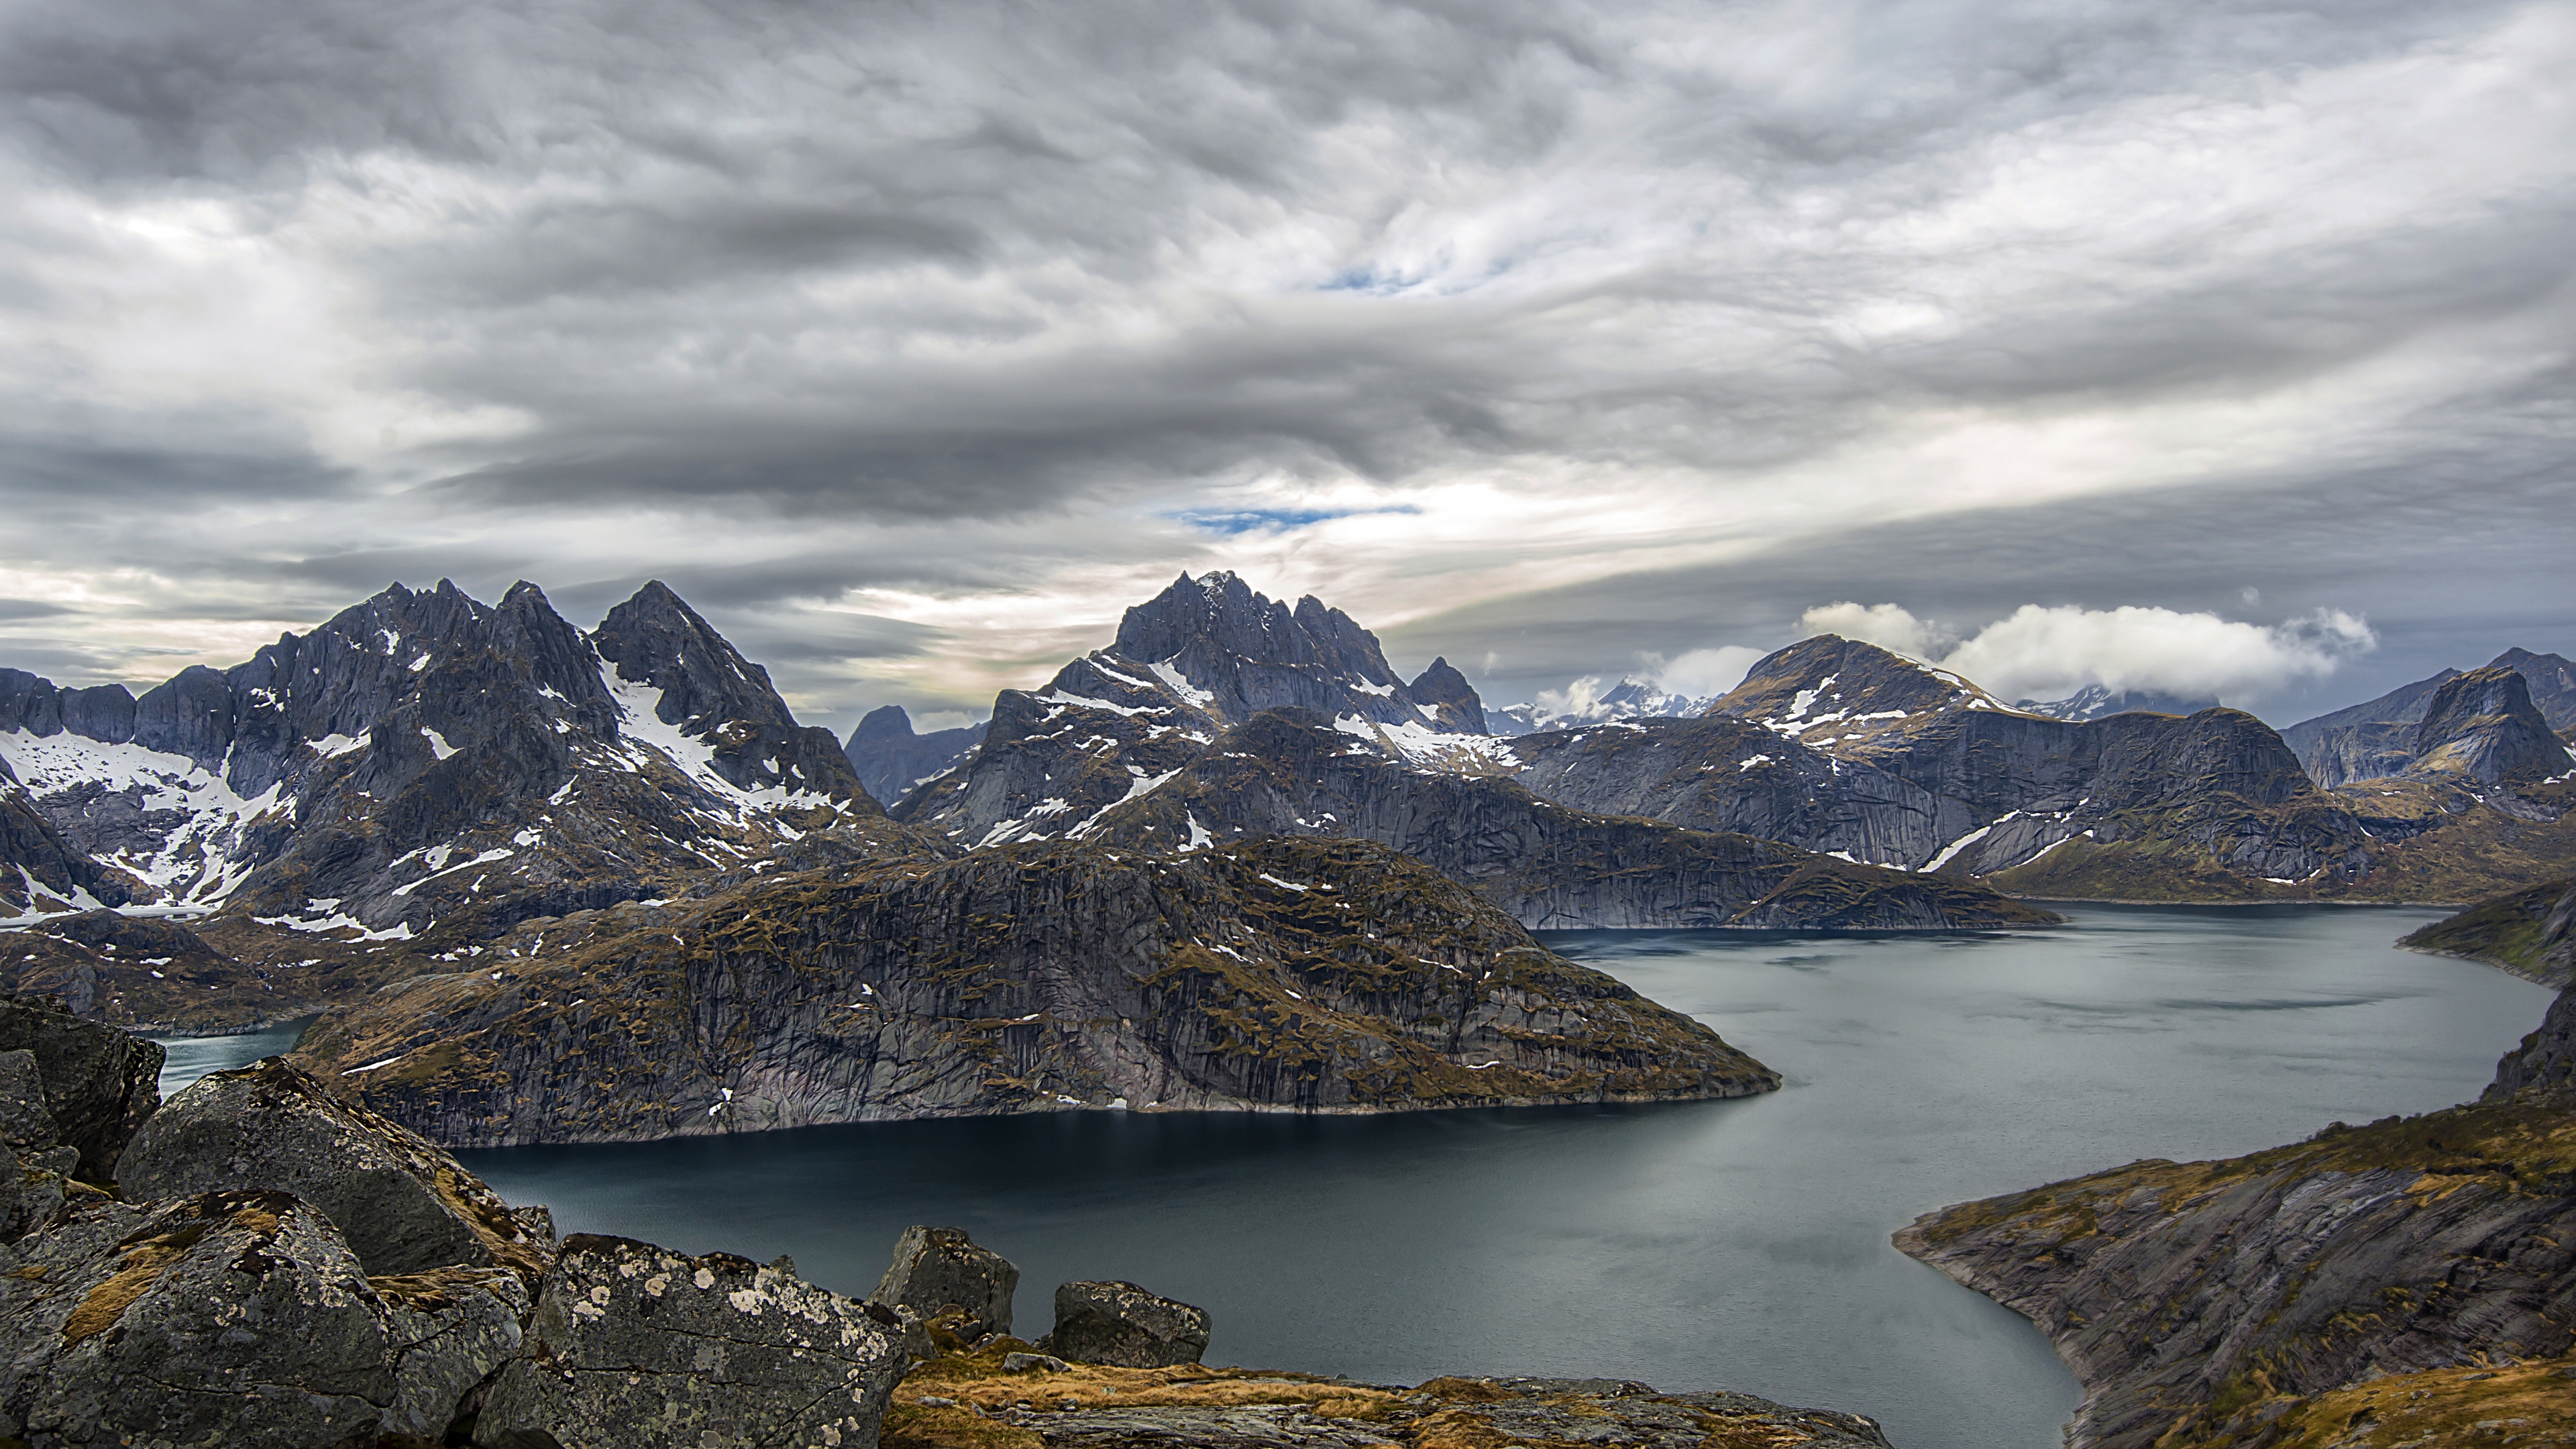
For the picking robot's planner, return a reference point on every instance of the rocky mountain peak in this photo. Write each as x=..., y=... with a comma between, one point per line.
x=1836, y=693
x=671, y=665
x=1452, y=697
x=2552, y=679
x=2482, y=725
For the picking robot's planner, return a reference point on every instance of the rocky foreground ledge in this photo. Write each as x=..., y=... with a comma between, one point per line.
x=259, y=1262
x=2407, y=1283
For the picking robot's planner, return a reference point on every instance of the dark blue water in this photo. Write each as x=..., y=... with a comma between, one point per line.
x=1726, y=1244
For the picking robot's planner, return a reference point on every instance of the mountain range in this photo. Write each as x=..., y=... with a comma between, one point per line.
x=484, y=840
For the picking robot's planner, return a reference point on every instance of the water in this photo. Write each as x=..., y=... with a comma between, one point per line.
x=1736, y=1244
x=191, y=1057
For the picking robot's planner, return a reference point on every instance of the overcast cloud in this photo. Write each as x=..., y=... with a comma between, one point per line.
x=913, y=342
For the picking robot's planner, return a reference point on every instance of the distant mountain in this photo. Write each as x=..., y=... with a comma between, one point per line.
x=1840, y=745
x=2376, y=738
x=2097, y=701
x=1197, y=659
x=1631, y=698
x=2482, y=726
x=892, y=761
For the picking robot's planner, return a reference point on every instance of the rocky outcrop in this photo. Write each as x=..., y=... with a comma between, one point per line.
x=1285, y=974
x=2376, y=739
x=891, y=760
x=940, y=1271
x=634, y=1344
x=968, y=1401
x=401, y=1202
x=1293, y=773
x=1124, y=1326
x=99, y=1085
x=235, y=1317
x=2200, y=1303
x=2529, y=932
x=2481, y=726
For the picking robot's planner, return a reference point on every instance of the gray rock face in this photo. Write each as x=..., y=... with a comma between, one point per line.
x=892, y=760
x=1124, y=1326
x=2482, y=726
x=234, y=1318
x=26, y=1123
x=401, y=1202
x=633, y=1344
x=99, y=1084
x=937, y=1269
x=1312, y=975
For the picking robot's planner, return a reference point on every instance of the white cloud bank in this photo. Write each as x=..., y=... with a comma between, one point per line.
x=2041, y=652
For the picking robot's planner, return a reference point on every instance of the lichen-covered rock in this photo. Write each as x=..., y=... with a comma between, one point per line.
x=634, y=1345
x=24, y=1119
x=99, y=1083
x=936, y=1269
x=404, y=1204
x=234, y=1318
x=1126, y=1326
x=31, y=1192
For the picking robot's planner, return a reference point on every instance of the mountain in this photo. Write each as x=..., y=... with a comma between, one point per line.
x=2098, y=701
x=1630, y=698
x=892, y=760
x=1204, y=655
x=1913, y=766
x=1311, y=974
x=1313, y=735
x=2376, y=738
x=2407, y=1282
x=424, y=768
x=1290, y=772
x=2482, y=726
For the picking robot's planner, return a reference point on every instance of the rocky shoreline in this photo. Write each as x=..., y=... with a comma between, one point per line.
x=2412, y=1281
x=259, y=1262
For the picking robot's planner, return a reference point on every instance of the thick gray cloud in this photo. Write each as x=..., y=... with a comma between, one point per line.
x=913, y=341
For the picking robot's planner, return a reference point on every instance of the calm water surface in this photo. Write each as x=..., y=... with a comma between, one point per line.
x=1736, y=1244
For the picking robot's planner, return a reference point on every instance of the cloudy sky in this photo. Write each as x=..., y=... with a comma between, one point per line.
x=2206, y=346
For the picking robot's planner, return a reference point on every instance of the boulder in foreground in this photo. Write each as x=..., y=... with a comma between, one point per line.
x=99, y=1083
x=634, y=1344
x=235, y=1318
x=937, y=1269
x=1125, y=1326
x=403, y=1203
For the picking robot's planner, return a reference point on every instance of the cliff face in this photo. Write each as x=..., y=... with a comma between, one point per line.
x=1289, y=773
x=2232, y=1303
x=1287, y=974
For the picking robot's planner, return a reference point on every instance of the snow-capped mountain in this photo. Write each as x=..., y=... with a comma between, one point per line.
x=2099, y=701
x=1202, y=656
x=1630, y=698
x=423, y=757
